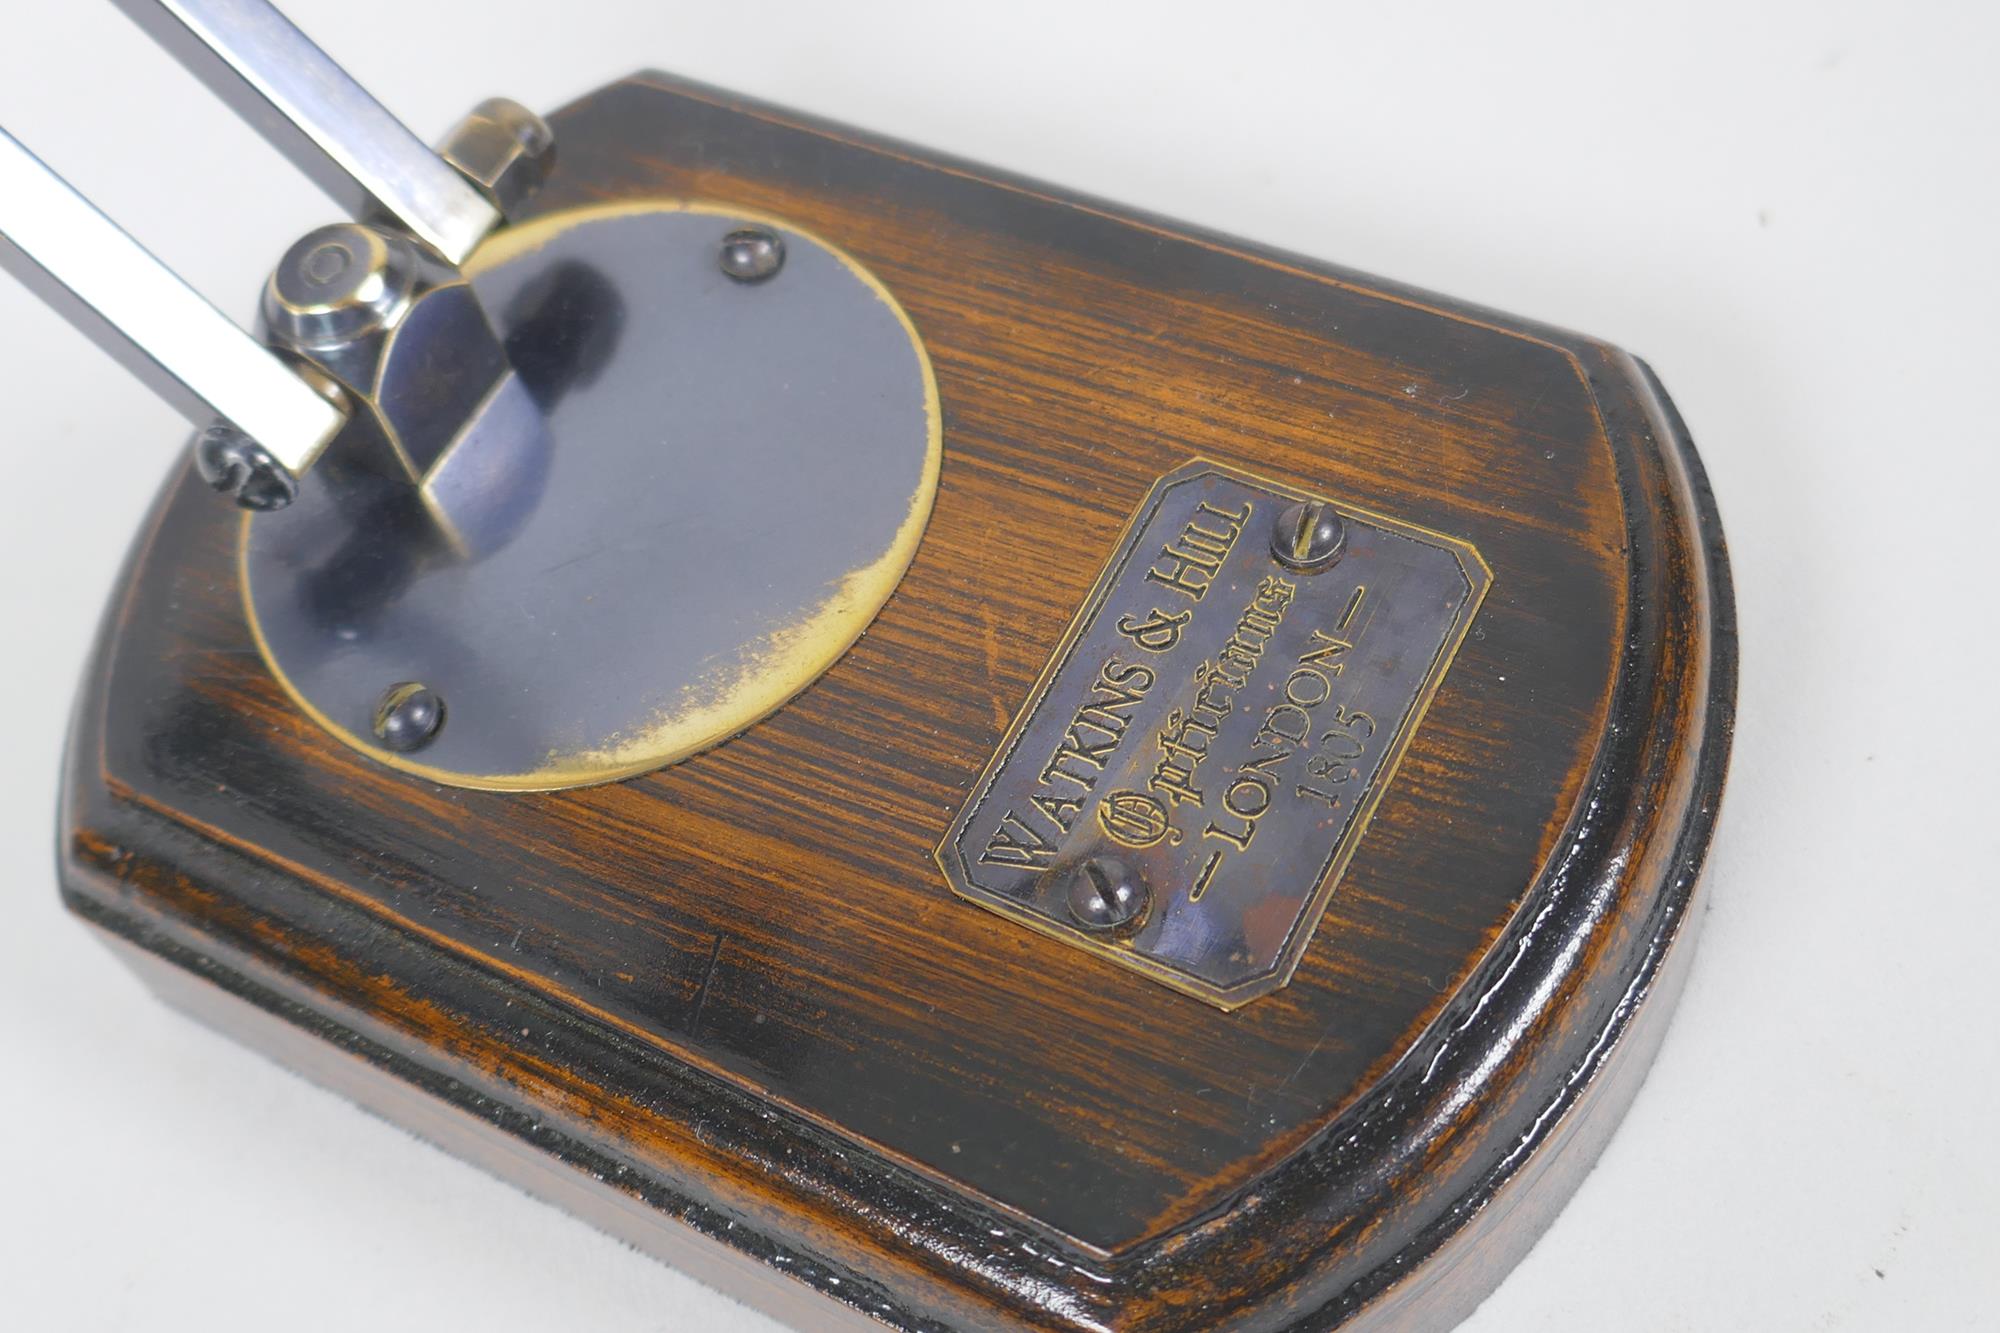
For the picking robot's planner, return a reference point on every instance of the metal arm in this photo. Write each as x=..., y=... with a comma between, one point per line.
x=109, y=286
x=312, y=111
x=276, y=421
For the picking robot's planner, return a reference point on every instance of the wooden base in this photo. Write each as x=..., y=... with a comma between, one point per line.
x=732, y=1012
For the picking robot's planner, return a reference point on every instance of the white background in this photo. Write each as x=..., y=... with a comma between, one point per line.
x=1789, y=208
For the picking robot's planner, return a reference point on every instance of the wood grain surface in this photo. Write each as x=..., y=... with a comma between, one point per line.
x=733, y=1004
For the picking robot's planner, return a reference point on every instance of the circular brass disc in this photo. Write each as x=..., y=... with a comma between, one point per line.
x=736, y=477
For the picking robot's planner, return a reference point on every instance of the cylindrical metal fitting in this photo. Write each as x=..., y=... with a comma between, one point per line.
x=339, y=283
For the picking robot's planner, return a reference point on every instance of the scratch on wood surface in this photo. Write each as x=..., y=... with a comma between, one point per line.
x=993, y=665
x=707, y=977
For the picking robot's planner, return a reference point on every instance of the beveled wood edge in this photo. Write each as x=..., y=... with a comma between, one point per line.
x=1529, y=1185
x=766, y=1211
x=406, y=1095
x=1147, y=1284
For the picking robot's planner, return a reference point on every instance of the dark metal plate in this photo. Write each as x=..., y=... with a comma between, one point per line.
x=1213, y=734
x=735, y=477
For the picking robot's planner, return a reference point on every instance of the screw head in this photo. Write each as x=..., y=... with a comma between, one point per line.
x=751, y=254
x=233, y=463
x=1308, y=536
x=1106, y=894
x=408, y=717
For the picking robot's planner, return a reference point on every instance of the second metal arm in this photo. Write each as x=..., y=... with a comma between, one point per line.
x=312, y=111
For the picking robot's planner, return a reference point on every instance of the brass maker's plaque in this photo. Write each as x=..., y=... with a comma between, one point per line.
x=1200, y=758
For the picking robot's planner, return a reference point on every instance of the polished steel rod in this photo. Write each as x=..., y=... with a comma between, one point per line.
x=313, y=112
x=109, y=286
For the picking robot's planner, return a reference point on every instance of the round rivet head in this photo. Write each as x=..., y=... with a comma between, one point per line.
x=751, y=254
x=1308, y=536
x=1106, y=894
x=408, y=717
x=338, y=283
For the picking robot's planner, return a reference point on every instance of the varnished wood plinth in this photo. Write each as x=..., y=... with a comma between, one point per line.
x=731, y=1011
